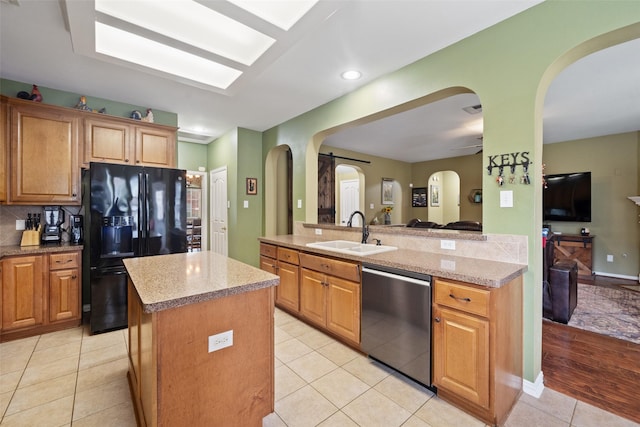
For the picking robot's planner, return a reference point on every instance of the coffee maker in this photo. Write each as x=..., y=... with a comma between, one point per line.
x=76, y=224
x=52, y=228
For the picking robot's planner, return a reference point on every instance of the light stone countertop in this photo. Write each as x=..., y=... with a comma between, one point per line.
x=17, y=250
x=476, y=271
x=169, y=281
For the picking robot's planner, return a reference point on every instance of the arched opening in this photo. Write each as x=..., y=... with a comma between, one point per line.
x=278, y=200
x=349, y=195
x=407, y=143
x=444, y=197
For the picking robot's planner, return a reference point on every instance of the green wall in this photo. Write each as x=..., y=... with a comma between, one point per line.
x=10, y=88
x=613, y=162
x=191, y=156
x=509, y=66
x=239, y=151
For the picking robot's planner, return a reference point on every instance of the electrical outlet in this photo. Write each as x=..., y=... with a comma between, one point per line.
x=319, y=231
x=299, y=203
x=448, y=244
x=220, y=341
x=609, y=258
x=20, y=224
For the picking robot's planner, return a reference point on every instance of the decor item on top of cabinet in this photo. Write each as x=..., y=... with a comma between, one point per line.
x=35, y=94
x=82, y=105
x=136, y=115
x=419, y=197
x=252, y=186
x=149, y=117
x=387, y=191
x=434, y=195
x=387, y=214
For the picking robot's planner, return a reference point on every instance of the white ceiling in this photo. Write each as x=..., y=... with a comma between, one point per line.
x=302, y=71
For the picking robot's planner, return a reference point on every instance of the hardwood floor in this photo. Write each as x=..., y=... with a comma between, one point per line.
x=599, y=370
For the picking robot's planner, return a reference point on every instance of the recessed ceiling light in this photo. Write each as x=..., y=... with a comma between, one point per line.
x=351, y=75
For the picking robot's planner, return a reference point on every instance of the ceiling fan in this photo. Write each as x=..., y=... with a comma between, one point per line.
x=471, y=146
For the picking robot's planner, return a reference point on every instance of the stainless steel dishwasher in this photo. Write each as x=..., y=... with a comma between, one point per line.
x=396, y=320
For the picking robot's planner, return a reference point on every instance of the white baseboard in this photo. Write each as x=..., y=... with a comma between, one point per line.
x=534, y=389
x=618, y=276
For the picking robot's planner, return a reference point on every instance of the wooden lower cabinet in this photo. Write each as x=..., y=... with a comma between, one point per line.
x=40, y=293
x=23, y=294
x=284, y=263
x=176, y=381
x=477, y=347
x=330, y=295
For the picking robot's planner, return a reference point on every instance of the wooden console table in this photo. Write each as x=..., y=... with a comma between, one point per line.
x=575, y=247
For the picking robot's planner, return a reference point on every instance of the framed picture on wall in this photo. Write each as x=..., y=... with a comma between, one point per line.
x=419, y=197
x=434, y=195
x=252, y=186
x=387, y=191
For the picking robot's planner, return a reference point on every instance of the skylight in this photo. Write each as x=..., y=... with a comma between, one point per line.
x=193, y=24
x=139, y=50
x=187, y=39
x=283, y=13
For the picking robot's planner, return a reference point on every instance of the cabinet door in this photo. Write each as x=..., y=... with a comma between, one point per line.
x=22, y=292
x=64, y=295
x=313, y=305
x=461, y=355
x=4, y=146
x=44, y=156
x=107, y=141
x=155, y=147
x=268, y=264
x=287, y=292
x=343, y=308
x=133, y=319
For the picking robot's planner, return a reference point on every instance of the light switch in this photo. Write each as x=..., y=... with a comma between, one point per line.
x=371, y=206
x=246, y=203
x=506, y=199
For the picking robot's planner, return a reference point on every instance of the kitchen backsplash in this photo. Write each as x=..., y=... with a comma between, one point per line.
x=9, y=214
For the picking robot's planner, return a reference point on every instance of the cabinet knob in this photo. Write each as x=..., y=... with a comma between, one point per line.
x=437, y=320
x=74, y=276
x=126, y=160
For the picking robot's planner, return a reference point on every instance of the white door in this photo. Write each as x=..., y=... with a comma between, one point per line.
x=350, y=201
x=219, y=240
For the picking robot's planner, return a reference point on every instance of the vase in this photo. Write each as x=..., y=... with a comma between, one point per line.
x=387, y=219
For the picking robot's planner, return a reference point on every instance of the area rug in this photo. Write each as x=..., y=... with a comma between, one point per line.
x=611, y=311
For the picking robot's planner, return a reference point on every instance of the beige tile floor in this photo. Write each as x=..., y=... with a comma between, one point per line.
x=69, y=378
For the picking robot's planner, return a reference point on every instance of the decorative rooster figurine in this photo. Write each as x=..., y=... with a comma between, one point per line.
x=35, y=94
x=149, y=116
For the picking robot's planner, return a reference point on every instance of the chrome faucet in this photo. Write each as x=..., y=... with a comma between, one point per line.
x=365, y=227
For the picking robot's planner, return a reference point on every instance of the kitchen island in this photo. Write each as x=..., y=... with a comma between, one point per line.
x=201, y=349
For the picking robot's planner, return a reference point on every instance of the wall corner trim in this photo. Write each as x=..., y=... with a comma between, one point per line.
x=534, y=389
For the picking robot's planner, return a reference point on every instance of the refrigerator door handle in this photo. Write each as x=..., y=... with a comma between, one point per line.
x=141, y=215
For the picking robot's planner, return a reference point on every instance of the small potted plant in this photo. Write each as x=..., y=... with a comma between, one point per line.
x=387, y=214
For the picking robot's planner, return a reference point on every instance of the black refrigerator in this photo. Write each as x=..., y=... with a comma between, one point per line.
x=130, y=211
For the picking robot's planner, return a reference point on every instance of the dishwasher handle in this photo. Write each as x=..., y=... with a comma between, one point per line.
x=426, y=282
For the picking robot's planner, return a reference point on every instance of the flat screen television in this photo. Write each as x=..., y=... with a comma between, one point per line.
x=567, y=197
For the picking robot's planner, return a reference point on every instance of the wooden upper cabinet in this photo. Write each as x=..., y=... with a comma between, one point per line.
x=44, y=155
x=155, y=147
x=4, y=146
x=106, y=141
x=116, y=140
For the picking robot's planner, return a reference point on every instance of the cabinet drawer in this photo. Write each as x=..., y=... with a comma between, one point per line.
x=334, y=267
x=462, y=297
x=63, y=260
x=288, y=255
x=268, y=250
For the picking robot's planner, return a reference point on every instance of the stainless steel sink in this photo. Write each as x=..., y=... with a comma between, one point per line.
x=353, y=248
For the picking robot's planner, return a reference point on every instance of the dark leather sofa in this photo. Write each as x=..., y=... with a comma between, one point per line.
x=559, y=286
x=457, y=225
